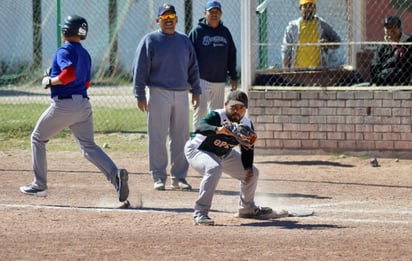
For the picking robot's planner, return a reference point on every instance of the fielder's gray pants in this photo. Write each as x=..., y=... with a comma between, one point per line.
x=168, y=115
x=212, y=98
x=76, y=114
x=211, y=167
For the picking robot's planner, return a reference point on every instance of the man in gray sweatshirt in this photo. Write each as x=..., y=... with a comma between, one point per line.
x=166, y=63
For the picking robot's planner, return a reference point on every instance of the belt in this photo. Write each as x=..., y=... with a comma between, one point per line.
x=65, y=97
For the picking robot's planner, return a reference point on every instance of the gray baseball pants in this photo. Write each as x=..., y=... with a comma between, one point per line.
x=168, y=115
x=211, y=167
x=212, y=98
x=75, y=114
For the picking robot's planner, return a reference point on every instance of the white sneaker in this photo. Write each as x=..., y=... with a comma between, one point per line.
x=180, y=184
x=30, y=190
x=203, y=220
x=159, y=184
x=257, y=212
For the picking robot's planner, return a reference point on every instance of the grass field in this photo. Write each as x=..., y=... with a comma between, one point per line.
x=120, y=129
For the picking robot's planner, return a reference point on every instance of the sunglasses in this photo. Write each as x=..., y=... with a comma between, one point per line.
x=167, y=16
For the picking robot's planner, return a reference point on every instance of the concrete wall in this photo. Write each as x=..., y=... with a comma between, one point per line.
x=334, y=119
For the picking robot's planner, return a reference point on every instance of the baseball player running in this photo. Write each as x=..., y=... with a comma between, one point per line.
x=211, y=152
x=68, y=81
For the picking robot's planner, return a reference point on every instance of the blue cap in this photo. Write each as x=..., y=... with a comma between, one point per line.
x=164, y=8
x=213, y=4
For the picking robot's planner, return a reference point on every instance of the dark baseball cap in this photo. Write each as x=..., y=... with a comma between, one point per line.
x=213, y=4
x=164, y=8
x=237, y=97
x=392, y=20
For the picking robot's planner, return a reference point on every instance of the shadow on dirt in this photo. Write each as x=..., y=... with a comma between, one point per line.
x=308, y=163
x=290, y=224
x=340, y=183
x=289, y=195
x=272, y=195
x=171, y=210
x=63, y=171
x=176, y=210
x=121, y=208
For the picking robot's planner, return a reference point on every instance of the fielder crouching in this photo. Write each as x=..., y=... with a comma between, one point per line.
x=211, y=152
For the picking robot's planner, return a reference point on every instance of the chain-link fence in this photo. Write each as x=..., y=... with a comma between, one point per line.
x=31, y=35
x=115, y=28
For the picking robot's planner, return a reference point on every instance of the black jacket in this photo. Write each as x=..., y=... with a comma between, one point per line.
x=392, y=64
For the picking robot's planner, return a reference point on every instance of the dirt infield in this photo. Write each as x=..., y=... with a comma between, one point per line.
x=361, y=212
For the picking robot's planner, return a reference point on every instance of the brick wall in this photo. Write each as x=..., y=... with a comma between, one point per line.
x=335, y=119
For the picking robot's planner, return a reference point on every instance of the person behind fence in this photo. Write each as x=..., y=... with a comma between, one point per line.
x=312, y=30
x=212, y=151
x=166, y=62
x=216, y=56
x=68, y=81
x=392, y=62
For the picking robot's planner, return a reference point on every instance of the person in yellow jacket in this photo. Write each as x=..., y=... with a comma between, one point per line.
x=303, y=38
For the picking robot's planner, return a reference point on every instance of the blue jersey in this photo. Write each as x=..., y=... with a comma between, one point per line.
x=71, y=53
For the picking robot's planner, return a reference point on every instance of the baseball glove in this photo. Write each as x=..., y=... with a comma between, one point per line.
x=243, y=134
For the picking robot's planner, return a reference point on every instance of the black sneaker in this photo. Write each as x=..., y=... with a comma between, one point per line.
x=258, y=212
x=123, y=187
x=30, y=190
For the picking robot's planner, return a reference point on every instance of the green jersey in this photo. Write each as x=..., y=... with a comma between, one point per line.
x=206, y=138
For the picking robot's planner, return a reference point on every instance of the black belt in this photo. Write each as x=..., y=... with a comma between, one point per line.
x=65, y=97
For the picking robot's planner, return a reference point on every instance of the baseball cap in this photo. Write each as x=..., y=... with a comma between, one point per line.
x=302, y=2
x=237, y=97
x=392, y=20
x=213, y=4
x=164, y=8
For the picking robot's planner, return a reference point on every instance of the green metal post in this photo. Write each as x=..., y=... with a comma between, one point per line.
x=113, y=37
x=58, y=21
x=37, y=39
x=188, y=15
x=263, y=50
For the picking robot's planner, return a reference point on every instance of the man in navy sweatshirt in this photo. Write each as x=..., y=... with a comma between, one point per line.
x=216, y=55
